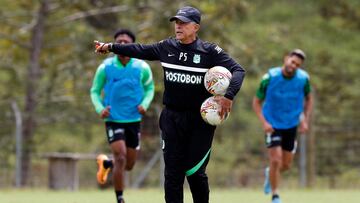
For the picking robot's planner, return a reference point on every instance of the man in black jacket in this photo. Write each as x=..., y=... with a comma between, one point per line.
x=186, y=137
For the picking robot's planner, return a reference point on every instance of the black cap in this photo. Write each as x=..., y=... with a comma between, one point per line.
x=299, y=53
x=187, y=14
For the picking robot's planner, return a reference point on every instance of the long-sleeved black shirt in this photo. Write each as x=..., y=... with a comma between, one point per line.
x=184, y=67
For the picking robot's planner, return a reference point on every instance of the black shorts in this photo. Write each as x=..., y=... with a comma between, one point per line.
x=286, y=138
x=129, y=132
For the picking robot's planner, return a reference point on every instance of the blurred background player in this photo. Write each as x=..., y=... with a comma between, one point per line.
x=128, y=89
x=283, y=103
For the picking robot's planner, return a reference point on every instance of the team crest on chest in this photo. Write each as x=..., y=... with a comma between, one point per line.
x=196, y=58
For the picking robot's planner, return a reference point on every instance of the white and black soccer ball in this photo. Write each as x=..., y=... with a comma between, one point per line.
x=210, y=112
x=217, y=80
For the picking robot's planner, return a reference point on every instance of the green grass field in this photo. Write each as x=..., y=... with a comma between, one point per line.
x=156, y=196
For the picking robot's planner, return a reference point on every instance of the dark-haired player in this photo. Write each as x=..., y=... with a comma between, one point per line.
x=283, y=104
x=127, y=87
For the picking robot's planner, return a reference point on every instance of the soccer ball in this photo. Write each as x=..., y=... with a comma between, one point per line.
x=210, y=112
x=217, y=80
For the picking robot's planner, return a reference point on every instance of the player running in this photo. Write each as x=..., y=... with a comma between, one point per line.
x=128, y=90
x=283, y=96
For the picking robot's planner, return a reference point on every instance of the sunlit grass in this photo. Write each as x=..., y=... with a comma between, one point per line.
x=156, y=196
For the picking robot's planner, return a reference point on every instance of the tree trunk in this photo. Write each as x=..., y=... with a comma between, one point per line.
x=33, y=77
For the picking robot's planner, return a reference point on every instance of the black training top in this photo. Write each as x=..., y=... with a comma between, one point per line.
x=184, y=67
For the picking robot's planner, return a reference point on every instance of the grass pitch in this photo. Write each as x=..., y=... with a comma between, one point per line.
x=156, y=196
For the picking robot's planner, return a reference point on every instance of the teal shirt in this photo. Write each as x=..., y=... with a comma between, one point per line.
x=283, y=97
x=123, y=88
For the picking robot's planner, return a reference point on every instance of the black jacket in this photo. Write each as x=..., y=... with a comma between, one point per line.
x=184, y=68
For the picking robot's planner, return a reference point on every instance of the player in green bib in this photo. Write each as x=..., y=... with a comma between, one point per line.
x=122, y=91
x=283, y=104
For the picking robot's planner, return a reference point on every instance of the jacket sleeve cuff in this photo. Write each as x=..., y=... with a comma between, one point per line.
x=229, y=96
x=111, y=47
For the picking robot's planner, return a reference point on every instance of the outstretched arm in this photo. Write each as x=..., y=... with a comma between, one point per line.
x=140, y=51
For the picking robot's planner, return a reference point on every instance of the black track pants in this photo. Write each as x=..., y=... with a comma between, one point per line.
x=187, y=143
